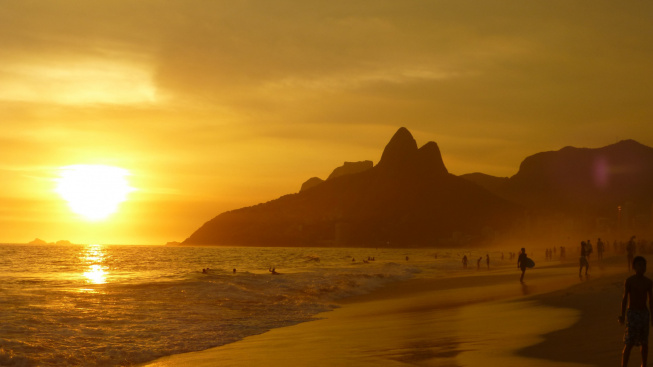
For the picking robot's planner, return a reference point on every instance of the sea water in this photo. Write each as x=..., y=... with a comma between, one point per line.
x=114, y=305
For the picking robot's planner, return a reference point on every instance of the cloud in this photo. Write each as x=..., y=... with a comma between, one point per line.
x=209, y=96
x=246, y=54
x=76, y=83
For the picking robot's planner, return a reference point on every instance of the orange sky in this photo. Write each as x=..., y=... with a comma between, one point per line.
x=215, y=105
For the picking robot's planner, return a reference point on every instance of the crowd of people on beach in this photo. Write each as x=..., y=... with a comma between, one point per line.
x=637, y=299
x=638, y=289
x=586, y=252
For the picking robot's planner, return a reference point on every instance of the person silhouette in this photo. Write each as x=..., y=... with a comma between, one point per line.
x=638, y=291
x=521, y=263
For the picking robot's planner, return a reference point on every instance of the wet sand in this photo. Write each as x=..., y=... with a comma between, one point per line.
x=596, y=338
x=478, y=319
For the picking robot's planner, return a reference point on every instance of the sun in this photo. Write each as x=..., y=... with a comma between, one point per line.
x=93, y=191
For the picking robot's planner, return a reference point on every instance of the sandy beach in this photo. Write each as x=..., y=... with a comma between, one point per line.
x=483, y=318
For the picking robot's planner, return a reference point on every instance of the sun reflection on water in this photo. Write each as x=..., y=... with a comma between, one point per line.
x=93, y=258
x=96, y=275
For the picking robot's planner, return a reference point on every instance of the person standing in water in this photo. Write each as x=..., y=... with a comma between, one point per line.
x=637, y=296
x=521, y=263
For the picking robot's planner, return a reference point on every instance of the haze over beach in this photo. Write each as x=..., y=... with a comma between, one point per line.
x=322, y=169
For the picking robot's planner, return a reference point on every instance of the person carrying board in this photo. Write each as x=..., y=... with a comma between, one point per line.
x=524, y=262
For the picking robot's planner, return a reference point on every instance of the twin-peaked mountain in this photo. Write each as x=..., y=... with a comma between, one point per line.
x=410, y=199
x=407, y=199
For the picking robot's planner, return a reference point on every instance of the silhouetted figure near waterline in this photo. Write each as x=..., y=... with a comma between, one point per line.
x=465, y=262
x=487, y=260
x=638, y=291
x=630, y=250
x=583, y=260
x=273, y=271
x=521, y=263
x=588, y=249
x=234, y=270
x=600, y=248
x=478, y=263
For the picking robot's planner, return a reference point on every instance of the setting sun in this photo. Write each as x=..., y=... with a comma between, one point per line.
x=93, y=191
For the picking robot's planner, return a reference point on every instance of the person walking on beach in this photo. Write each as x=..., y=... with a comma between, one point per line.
x=521, y=263
x=638, y=291
x=583, y=260
x=487, y=261
x=478, y=263
x=465, y=262
x=588, y=249
x=600, y=248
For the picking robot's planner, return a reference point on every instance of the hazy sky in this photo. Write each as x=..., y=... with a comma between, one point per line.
x=215, y=105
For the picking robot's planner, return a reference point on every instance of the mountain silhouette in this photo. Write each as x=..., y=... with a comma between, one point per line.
x=410, y=199
x=582, y=183
x=347, y=168
x=350, y=168
x=407, y=199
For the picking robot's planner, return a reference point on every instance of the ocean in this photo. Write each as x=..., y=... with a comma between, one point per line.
x=117, y=305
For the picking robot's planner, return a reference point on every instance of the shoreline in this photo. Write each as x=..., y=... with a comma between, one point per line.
x=437, y=322
x=596, y=338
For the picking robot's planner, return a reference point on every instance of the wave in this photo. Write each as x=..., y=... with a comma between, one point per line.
x=146, y=302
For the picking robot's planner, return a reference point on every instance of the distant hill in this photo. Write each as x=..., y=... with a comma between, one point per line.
x=38, y=241
x=407, y=199
x=583, y=184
